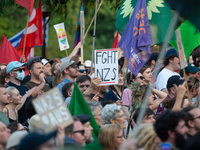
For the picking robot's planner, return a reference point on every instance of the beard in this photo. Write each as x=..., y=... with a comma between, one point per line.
x=179, y=140
x=89, y=140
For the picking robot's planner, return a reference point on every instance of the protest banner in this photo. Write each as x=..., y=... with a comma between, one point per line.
x=62, y=37
x=106, y=65
x=52, y=110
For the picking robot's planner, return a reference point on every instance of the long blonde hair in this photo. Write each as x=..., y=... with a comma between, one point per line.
x=107, y=135
x=145, y=135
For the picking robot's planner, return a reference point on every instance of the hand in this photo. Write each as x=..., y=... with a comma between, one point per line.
x=95, y=81
x=60, y=135
x=119, y=102
x=41, y=78
x=180, y=90
x=96, y=97
x=40, y=93
x=22, y=59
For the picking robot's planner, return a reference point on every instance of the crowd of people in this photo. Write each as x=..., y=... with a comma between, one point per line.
x=171, y=120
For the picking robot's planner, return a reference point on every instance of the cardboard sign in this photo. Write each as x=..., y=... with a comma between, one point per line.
x=181, y=53
x=62, y=36
x=106, y=66
x=52, y=110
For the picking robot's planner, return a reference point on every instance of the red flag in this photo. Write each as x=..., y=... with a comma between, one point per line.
x=34, y=33
x=116, y=41
x=8, y=52
x=28, y=4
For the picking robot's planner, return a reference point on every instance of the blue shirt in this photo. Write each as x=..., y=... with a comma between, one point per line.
x=65, y=80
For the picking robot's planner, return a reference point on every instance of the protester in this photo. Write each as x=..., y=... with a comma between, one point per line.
x=111, y=136
x=4, y=134
x=16, y=71
x=146, y=136
x=193, y=86
x=193, y=120
x=82, y=70
x=4, y=100
x=4, y=77
x=193, y=142
x=67, y=91
x=16, y=103
x=69, y=71
x=113, y=114
x=171, y=64
x=36, y=70
x=146, y=73
x=85, y=120
x=190, y=70
x=57, y=79
x=55, y=67
x=171, y=128
x=83, y=82
x=152, y=60
x=15, y=139
x=47, y=71
x=2, y=66
x=88, y=66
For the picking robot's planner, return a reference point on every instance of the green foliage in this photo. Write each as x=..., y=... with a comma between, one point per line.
x=13, y=21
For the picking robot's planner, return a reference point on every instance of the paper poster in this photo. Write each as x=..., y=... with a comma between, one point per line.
x=62, y=36
x=52, y=110
x=106, y=65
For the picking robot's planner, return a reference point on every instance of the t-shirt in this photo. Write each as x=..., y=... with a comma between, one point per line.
x=31, y=84
x=4, y=118
x=65, y=80
x=163, y=77
x=160, y=107
x=126, y=97
x=22, y=90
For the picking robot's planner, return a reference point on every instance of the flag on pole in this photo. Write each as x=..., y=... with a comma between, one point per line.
x=190, y=36
x=136, y=40
x=78, y=105
x=28, y=4
x=8, y=52
x=34, y=33
x=78, y=31
x=159, y=15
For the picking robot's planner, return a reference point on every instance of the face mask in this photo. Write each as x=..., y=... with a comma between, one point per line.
x=20, y=75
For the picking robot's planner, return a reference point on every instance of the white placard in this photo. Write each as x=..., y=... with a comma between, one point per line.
x=106, y=65
x=62, y=36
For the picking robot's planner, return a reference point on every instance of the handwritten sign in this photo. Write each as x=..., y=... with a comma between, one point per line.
x=52, y=110
x=106, y=66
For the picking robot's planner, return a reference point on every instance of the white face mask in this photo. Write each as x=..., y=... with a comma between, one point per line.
x=20, y=75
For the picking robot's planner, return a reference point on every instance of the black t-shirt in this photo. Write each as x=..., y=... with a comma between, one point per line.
x=22, y=90
x=31, y=85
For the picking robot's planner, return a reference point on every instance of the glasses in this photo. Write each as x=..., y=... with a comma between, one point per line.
x=20, y=70
x=83, y=70
x=196, y=117
x=141, y=77
x=80, y=131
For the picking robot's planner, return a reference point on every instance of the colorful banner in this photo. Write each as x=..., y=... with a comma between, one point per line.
x=62, y=36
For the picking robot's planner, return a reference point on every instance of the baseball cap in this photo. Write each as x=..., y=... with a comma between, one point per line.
x=35, y=139
x=88, y=63
x=32, y=61
x=12, y=65
x=83, y=118
x=171, y=51
x=66, y=64
x=15, y=139
x=176, y=79
x=45, y=61
x=190, y=68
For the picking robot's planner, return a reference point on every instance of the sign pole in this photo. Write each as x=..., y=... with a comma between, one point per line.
x=25, y=35
x=82, y=35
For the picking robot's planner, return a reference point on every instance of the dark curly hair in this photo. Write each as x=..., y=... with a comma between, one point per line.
x=166, y=60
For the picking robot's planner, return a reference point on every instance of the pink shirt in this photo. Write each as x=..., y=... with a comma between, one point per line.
x=126, y=97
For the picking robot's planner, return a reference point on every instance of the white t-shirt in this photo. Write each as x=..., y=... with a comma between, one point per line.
x=162, y=78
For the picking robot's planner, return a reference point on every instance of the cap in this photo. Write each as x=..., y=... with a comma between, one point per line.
x=171, y=51
x=190, y=68
x=45, y=61
x=88, y=63
x=32, y=61
x=66, y=64
x=14, y=64
x=83, y=118
x=176, y=79
x=15, y=139
x=35, y=139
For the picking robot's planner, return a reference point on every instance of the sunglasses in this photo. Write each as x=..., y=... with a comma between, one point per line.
x=20, y=70
x=80, y=131
x=141, y=77
x=83, y=70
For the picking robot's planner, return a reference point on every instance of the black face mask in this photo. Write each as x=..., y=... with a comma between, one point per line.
x=180, y=140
